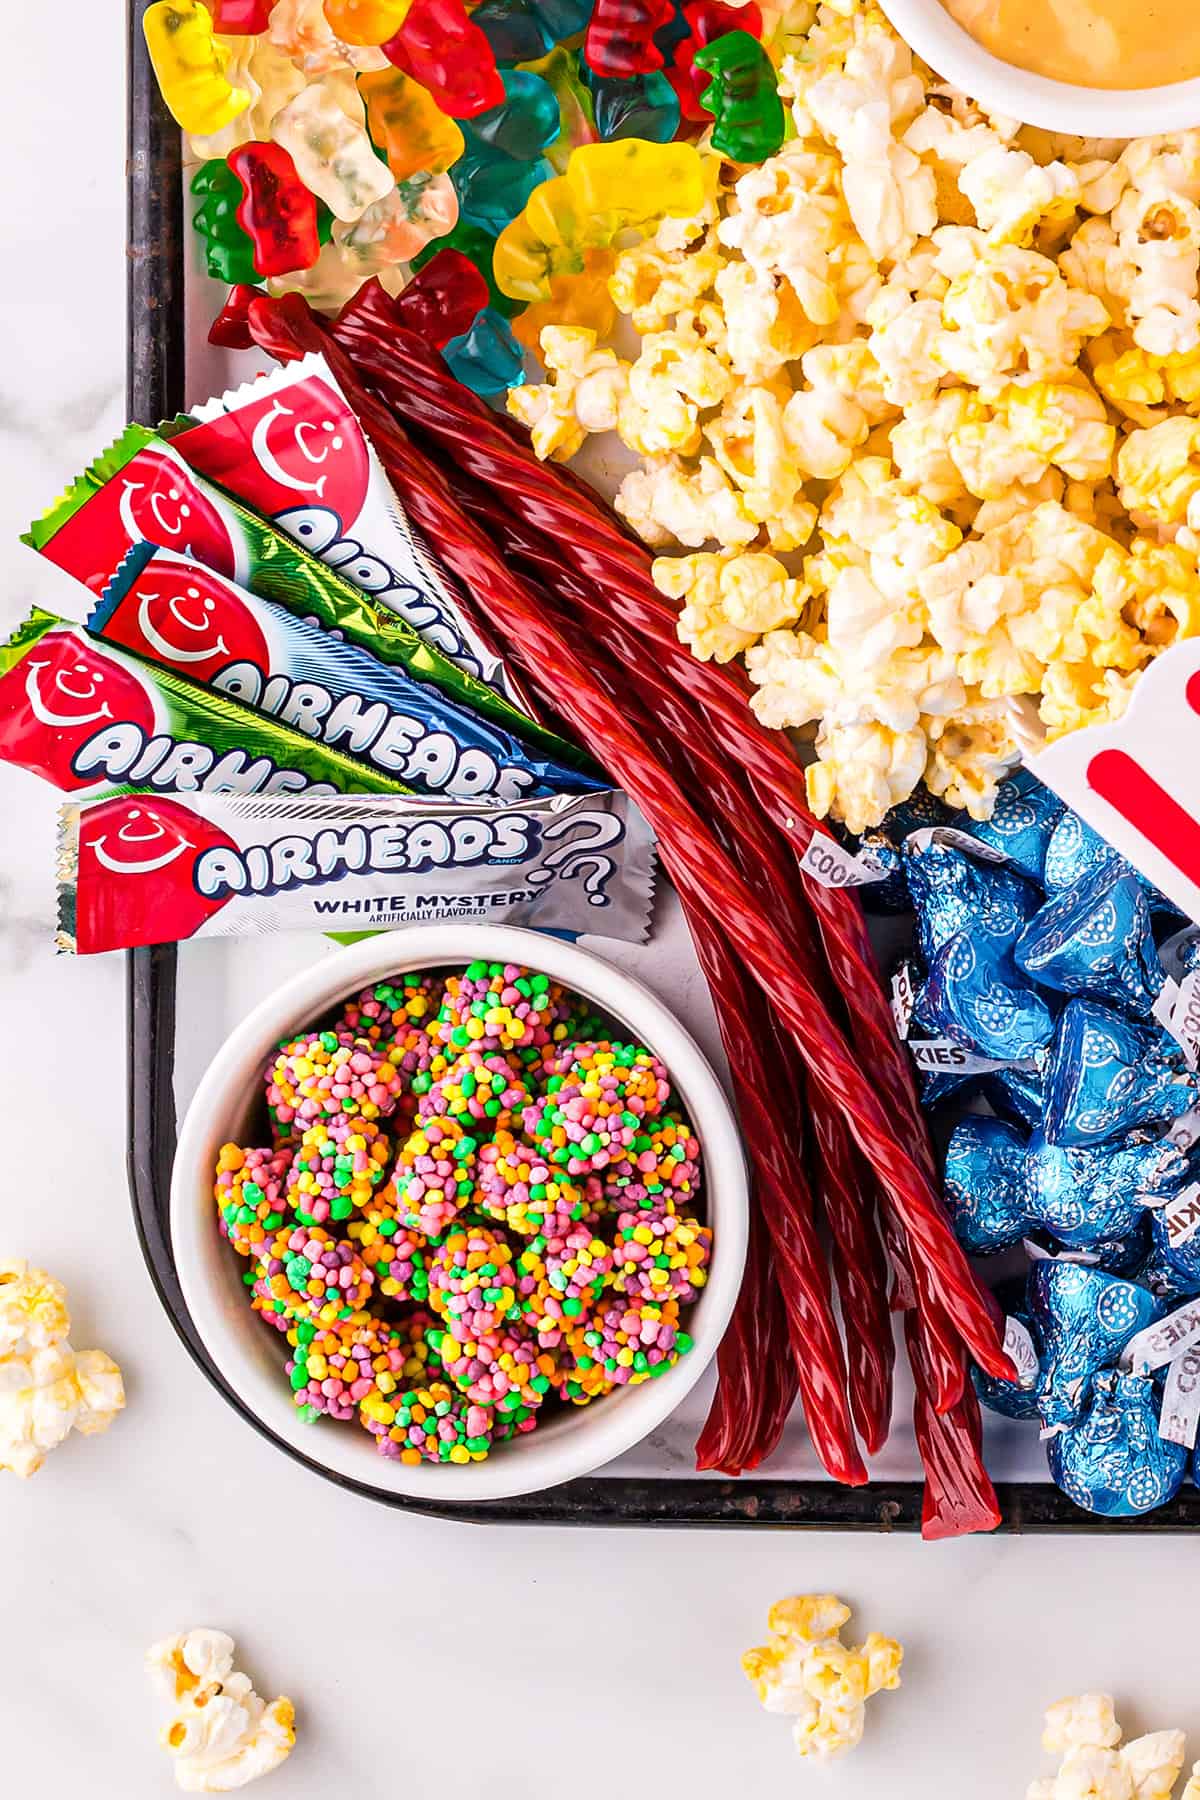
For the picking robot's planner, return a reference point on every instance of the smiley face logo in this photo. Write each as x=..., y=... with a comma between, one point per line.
x=153, y=499
x=143, y=845
x=184, y=616
x=307, y=447
x=75, y=690
x=124, y=839
x=64, y=691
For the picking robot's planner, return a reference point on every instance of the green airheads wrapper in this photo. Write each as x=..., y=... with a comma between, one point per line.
x=142, y=490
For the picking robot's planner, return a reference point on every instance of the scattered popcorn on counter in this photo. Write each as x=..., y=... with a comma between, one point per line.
x=220, y=1733
x=805, y=1672
x=46, y=1388
x=1085, y=1732
x=943, y=370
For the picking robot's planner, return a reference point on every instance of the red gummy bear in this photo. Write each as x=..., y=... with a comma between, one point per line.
x=440, y=47
x=620, y=37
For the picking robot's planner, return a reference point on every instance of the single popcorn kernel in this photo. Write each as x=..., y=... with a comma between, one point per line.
x=806, y=1673
x=221, y=1735
x=1085, y=1732
x=46, y=1388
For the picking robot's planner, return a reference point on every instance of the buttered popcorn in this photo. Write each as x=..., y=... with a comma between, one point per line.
x=47, y=1389
x=220, y=1734
x=805, y=1672
x=1084, y=1732
x=917, y=413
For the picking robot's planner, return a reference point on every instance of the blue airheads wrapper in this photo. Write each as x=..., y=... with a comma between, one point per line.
x=1094, y=938
x=1084, y=1317
x=1112, y=1461
x=953, y=892
x=1106, y=1074
x=172, y=610
x=1023, y=818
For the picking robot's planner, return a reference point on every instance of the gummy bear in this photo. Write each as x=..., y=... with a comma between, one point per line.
x=642, y=106
x=523, y=124
x=620, y=36
x=492, y=188
x=522, y=30
x=277, y=213
x=478, y=246
x=486, y=358
x=443, y=49
x=408, y=125
x=742, y=97
x=228, y=252
x=703, y=21
x=566, y=79
x=189, y=65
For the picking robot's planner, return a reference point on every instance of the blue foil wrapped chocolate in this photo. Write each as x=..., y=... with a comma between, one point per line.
x=1175, y=1230
x=1075, y=850
x=1112, y=1461
x=1017, y=1094
x=983, y=1185
x=1106, y=1074
x=1094, y=939
x=951, y=893
x=1022, y=821
x=1086, y=1196
x=1084, y=1319
x=1014, y=1399
x=975, y=996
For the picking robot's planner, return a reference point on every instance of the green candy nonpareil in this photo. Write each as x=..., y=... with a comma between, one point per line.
x=742, y=97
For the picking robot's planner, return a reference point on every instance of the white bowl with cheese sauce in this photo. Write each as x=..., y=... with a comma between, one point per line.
x=1063, y=106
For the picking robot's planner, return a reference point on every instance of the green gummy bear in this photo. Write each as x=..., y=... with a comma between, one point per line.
x=748, y=114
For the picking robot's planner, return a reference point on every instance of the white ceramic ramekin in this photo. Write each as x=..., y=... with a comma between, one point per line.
x=250, y=1357
x=1055, y=105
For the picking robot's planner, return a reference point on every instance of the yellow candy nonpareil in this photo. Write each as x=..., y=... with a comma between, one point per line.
x=190, y=66
x=331, y=150
x=608, y=188
x=408, y=125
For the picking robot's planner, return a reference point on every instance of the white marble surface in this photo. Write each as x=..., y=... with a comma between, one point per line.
x=535, y=1661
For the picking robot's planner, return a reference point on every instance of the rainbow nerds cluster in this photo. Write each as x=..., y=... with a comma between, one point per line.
x=477, y=1202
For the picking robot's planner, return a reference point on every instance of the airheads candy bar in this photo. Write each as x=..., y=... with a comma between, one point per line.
x=141, y=869
x=140, y=490
x=84, y=717
x=178, y=613
x=290, y=446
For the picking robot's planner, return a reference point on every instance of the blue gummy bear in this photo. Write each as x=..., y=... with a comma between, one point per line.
x=643, y=106
x=486, y=358
x=526, y=120
x=523, y=30
x=492, y=188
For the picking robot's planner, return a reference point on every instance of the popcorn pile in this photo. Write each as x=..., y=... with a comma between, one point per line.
x=919, y=398
x=220, y=1733
x=1085, y=1732
x=806, y=1672
x=45, y=1386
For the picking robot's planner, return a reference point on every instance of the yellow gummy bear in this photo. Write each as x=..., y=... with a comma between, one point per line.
x=189, y=65
x=582, y=299
x=628, y=184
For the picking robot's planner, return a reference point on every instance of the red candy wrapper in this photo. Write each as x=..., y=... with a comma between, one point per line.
x=289, y=446
x=87, y=717
x=143, y=869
